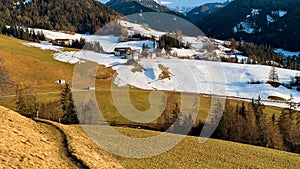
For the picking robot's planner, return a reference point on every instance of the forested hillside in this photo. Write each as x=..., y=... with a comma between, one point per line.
x=273, y=22
x=82, y=16
x=128, y=7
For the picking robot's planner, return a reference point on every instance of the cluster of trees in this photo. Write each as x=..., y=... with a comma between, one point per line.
x=83, y=44
x=173, y=40
x=26, y=101
x=168, y=42
x=31, y=35
x=24, y=34
x=62, y=111
x=243, y=122
x=82, y=16
x=171, y=114
x=93, y=46
x=78, y=44
x=248, y=123
x=261, y=54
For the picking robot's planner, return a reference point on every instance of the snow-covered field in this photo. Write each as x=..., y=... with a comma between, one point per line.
x=56, y=34
x=141, y=29
x=44, y=46
x=195, y=76
x=206, y=77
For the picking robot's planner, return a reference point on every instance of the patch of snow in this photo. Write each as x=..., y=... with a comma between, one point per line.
x=43, y=46
x=149, y=73
x=165, y=2
x=270, y=19
x=68, y=57
x=196, y=42
x=235, y=29
x=57, y=35
x=286, y=53
x=255, y=12
x=141, y=29
x=183, y=52
x=280, y=13
x=246, y=27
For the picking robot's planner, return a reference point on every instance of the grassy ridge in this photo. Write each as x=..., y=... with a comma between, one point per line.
x=211, y=154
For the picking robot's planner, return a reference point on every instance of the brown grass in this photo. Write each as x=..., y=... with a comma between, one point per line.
x=85, y=149
x=27, y=144
x=33, y=66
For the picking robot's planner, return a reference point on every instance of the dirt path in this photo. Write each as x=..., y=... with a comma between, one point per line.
x=61, y=138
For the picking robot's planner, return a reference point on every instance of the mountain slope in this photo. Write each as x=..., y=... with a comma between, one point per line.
x=127, y=7
x=198, y=13
x=82, y=16
x=273, y=22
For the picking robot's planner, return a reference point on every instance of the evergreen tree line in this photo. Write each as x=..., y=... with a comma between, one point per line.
x=170, y=41
x=31, y=35
x=82, y=16
x=263, y=54
x=248, y=123
x=86, y=45
x=244, y=122
x=24, y=34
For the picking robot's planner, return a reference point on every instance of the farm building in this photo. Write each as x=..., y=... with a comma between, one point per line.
x=123, y=51
x=61, y=42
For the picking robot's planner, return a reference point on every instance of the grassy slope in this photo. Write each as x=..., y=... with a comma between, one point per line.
x=191, y=154
x=32, y=66
x=213, y=154
x=27, y=144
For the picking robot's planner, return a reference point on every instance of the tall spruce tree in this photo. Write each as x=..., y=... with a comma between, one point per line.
x=66, y=98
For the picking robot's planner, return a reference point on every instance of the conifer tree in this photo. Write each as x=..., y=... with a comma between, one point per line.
x=273, y=75
x=68, y=107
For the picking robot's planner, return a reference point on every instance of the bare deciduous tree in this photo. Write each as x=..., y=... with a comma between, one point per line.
x=5, y=81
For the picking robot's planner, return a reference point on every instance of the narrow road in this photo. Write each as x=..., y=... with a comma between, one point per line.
x=57, y=134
